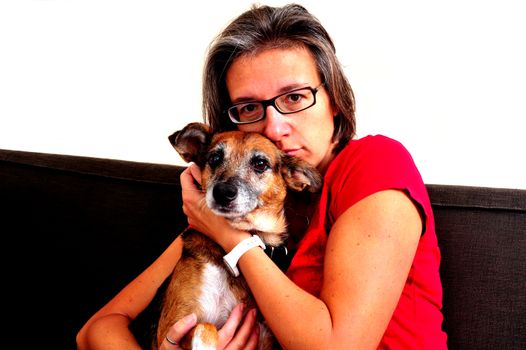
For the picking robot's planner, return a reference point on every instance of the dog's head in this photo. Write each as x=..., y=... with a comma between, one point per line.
x=244, y=175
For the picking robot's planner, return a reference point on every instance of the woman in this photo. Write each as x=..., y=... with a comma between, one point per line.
x=365, y=270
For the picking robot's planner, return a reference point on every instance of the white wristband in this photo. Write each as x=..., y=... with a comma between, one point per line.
x=241, y=248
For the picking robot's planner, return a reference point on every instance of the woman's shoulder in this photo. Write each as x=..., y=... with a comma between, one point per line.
x=376, y=151
x=368, y=165
x=376, y=143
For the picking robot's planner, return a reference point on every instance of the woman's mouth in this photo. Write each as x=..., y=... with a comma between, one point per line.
x=291, y=151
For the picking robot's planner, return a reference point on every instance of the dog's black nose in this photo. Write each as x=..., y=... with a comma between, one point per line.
x=224, y=193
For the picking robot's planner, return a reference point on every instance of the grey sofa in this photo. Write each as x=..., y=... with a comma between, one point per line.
x=75, y=230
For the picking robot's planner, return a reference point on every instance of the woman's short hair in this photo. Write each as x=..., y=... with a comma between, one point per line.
x=265, y=27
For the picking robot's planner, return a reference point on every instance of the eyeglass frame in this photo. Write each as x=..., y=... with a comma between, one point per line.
x=272, y=102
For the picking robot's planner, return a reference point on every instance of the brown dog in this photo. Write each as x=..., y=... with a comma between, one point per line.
x=245, y=178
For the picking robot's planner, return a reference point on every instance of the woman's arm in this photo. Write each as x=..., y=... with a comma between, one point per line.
x=108, y=327
x=369, y=253
x=368, y=257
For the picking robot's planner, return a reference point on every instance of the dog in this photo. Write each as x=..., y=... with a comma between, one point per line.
x=245, y=178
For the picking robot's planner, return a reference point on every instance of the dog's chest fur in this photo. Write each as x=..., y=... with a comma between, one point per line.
x=201, y=284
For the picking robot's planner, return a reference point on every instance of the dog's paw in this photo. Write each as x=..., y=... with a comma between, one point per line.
x=202, y=337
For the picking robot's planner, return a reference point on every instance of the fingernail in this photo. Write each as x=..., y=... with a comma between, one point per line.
x=190, y=318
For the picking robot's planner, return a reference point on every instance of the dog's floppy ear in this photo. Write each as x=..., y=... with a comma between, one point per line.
x=300, y=175
x=191, y=142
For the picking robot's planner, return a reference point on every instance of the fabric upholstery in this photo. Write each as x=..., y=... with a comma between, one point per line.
x=75, y=230
x=482, y=237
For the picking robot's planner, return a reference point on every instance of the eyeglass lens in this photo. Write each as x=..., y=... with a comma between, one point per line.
x=290, y=102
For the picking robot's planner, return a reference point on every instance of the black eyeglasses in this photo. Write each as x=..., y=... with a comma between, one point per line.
x=290, y=102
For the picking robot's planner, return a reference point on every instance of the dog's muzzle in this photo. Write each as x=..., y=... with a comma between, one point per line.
x=232, y=198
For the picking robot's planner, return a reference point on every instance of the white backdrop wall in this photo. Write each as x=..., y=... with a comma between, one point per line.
x=112, y=78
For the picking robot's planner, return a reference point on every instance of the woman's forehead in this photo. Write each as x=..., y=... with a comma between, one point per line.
x=271, y=71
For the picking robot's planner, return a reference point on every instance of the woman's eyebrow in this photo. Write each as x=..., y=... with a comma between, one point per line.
x=284, y=89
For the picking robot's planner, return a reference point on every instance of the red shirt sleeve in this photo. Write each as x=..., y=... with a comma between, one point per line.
x=370, y=165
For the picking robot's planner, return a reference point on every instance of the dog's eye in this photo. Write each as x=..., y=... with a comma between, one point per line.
x=260, y=165
x=215, y=159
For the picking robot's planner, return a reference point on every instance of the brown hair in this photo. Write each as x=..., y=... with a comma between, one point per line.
x=265, y=27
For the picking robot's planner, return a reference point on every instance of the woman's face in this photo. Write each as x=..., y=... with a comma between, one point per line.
x=306, y=134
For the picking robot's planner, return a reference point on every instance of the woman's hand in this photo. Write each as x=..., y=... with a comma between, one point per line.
x=200, y=217
x=236, y=334
x=177, y=332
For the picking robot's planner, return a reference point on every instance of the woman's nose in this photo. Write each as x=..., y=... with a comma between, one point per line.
x=276, y=125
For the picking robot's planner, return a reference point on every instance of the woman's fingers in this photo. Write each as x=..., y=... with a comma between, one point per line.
x=196, y=172
x=177, y=332
x=247, y=336
x=239, y=333
x=253, y=340
x=229, y=328
x=191, y=193
x=190, y=176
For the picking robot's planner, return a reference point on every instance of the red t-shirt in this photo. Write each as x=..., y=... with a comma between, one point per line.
x=366, y=166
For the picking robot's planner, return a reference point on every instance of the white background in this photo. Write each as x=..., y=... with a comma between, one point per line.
x=113, y=78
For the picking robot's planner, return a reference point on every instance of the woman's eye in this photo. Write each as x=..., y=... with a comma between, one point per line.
x=260, y=165
x=248, y=108
x=294, y=98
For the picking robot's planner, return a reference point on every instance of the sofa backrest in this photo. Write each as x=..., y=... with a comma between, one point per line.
x=482, y=238
x=78, y=229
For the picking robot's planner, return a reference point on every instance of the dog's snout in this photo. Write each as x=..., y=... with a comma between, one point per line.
x=224, y=193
